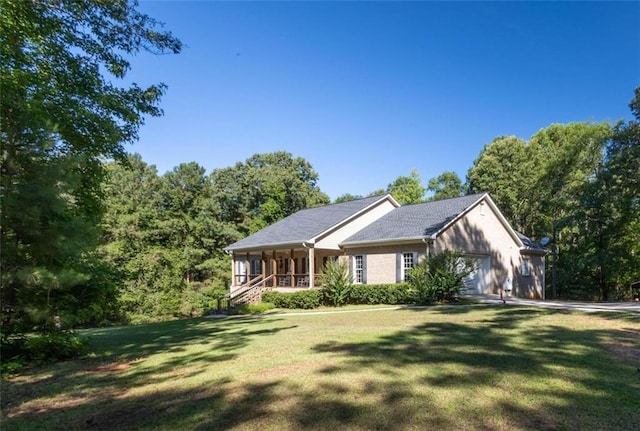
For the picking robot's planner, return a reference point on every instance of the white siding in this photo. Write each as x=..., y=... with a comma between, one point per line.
x=334, y=238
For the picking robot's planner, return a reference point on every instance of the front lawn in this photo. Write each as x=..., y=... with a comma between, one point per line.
x=457, y=367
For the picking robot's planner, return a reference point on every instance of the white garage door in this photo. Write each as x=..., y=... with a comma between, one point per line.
x=480, y=279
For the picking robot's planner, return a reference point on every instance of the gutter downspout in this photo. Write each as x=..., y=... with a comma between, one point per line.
x=428, y=242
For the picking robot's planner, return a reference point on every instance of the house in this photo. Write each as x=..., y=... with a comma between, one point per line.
x=381, y=240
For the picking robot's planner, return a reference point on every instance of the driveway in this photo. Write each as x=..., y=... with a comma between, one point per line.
x=599, y=307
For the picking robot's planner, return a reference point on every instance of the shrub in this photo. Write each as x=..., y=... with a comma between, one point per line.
x=335, y=280
x=440, y=277
x=41, y=348
x=399, y=293
x=305, y=299
x=276, y=298
x=253, y=308
x=56, y=345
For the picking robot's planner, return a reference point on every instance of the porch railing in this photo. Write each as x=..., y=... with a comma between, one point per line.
x=278, y=280
x=251, y=292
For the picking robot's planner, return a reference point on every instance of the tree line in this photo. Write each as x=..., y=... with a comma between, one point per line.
x=92, y=234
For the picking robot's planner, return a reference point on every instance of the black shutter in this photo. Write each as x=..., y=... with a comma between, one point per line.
x=364, y=269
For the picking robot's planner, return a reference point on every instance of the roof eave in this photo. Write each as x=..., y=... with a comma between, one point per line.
x=275, y=246
x=529, y=250
x=391, y=241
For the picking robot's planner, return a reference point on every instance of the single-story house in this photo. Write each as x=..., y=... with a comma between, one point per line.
x=381, y=240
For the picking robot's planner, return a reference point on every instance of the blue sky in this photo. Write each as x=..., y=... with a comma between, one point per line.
x=367, y=91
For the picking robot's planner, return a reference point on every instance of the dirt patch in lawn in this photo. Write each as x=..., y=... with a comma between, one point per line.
x=112, y=368
x=624, y=347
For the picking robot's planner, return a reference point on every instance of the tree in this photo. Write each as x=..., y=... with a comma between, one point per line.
x=540, y=188
x=564, y=157
x=504, y=170
x=165, y=235
x=440, y=277
x=605, y=252
x=266, y=188
x=346, y=197
x=407, y=190
x=446, y=185
x=336, y=281
x=61, y=114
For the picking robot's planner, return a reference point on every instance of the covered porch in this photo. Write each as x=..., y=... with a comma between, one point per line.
x=283, y=269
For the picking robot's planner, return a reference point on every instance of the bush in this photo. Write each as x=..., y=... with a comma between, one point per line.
x=276, y=298
x=335, y=280
x=441, y=277
x=306, y=299
x=53, y=346
x=399, y=293
x=56, y=345
x=253, y=308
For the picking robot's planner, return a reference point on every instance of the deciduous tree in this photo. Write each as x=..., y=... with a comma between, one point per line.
x=266, y=188
x=407, y=190
x=446, y=185
x=61, y=114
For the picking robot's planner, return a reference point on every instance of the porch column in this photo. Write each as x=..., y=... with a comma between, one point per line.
x=233, y=269
x=248, y=267
x=292, y=268
x=274, y=268
x=312, y=267
x=263, y=265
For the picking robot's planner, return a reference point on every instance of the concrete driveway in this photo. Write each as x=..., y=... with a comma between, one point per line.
x=617, y=307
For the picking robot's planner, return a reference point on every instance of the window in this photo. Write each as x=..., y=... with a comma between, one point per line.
x=256, y=267
x=526, y=267
x=283, y=266
x=407, y=264
x=242, y=271
x=358, y=269
x=301, y=265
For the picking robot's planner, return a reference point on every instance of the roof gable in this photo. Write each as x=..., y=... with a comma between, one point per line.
x=307, y=224
x=415, y=221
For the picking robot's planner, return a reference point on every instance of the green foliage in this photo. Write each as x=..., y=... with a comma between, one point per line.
x=558, y=185
x=372, y=294
x=20, y=350
x=253, y=308
x=505, y=170
x=446, y=185
x=264, y=189
x=441, y=277
x=305, y=299
x=165, y=235
x=399, y=293
x=62, y=113
x=602, y=250
x=346, y=197
x=407, y=190
x=336, y=283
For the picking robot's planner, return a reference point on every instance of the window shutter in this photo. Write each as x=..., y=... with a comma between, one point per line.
x=364, y=269
x=351, y=260
x=398, y=267
x=415, y=259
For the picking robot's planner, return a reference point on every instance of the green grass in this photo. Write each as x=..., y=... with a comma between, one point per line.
x=461, y=367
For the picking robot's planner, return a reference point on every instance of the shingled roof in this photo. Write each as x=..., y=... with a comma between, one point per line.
x=304, y=225
x=414, y=221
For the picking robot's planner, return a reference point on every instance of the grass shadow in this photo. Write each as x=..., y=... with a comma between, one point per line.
x=498, y=368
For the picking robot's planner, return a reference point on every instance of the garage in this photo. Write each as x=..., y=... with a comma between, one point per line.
x=479, y=280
